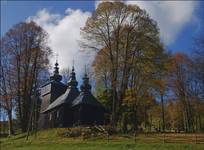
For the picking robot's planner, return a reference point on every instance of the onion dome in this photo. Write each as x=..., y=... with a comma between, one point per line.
x=56, y=76
x=85, y=87
x=72, y=81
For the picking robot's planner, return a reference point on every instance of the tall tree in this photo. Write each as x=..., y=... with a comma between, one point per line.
x=6, y=89
x=126, y=40
x=26, y=47
x=198, y=59
x=180, y=78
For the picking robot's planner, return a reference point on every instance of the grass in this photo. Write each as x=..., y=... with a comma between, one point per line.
x=51, y=140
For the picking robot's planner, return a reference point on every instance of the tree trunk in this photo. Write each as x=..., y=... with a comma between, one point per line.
x=19, y=104
x=135, y=119
x=163, y=117
x=114, y=96
x=200, y=123
x=10, y=123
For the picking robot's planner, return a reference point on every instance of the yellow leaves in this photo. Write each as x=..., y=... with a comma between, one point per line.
x=181, y=59
x=129, y=100
x=133, y=98
x=104, y=6
x=161, y=84
x=6, y=101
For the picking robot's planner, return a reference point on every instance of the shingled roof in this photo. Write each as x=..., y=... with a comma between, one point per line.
x=56, y=76
x=71, y=93
x=73, y=98
x=85, y=96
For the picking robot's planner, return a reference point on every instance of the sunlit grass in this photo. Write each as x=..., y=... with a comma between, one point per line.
x=53, y=140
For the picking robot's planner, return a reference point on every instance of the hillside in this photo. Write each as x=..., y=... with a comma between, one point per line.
x=58, y=139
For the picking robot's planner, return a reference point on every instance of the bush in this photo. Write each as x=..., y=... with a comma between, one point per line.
x=87, y=132
x=72, y=132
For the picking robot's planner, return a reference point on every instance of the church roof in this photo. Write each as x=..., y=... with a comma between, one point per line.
x=71, y=93
x=56, y=76
x=85, y=96
x=72, y=96
x=53, y=82
x=66, y=98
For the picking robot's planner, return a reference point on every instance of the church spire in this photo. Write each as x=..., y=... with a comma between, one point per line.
x=56, y=71
x=85, y=87
x=56, y=76
x=72, y=81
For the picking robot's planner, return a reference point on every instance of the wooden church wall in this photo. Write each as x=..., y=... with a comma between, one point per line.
x=88, y=115
x=57, y=90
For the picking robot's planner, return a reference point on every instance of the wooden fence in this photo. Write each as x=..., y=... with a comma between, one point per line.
x=196, y=138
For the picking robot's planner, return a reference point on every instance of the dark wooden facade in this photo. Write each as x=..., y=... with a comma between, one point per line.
x=64, y=106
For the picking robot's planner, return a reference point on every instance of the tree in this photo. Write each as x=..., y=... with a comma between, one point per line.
x=181, y=79
x=175, y=115
x=27, y=52
x=199, y=52
x=198, y=72
x=161, y=88
x=6, y=89
x=126, y=39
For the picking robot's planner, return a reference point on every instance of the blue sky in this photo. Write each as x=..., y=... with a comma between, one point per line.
x=13, y=12
x=179, y=21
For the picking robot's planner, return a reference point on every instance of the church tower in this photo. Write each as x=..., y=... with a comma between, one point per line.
x=60, y=109
x=65, y=106
x=52, y=89
x=87, y=110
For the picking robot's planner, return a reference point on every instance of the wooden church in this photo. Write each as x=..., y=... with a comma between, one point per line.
x=65, y=106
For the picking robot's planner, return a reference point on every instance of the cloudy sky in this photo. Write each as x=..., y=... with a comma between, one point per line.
x=178, y=22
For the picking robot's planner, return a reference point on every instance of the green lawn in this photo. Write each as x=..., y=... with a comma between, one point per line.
x=51, y=141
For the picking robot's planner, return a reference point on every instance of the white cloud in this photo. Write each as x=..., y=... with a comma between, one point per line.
x=64, y=30
x=171, y=16
x=64, y=33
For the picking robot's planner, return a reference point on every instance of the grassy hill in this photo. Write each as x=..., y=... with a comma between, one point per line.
x=56, y=139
